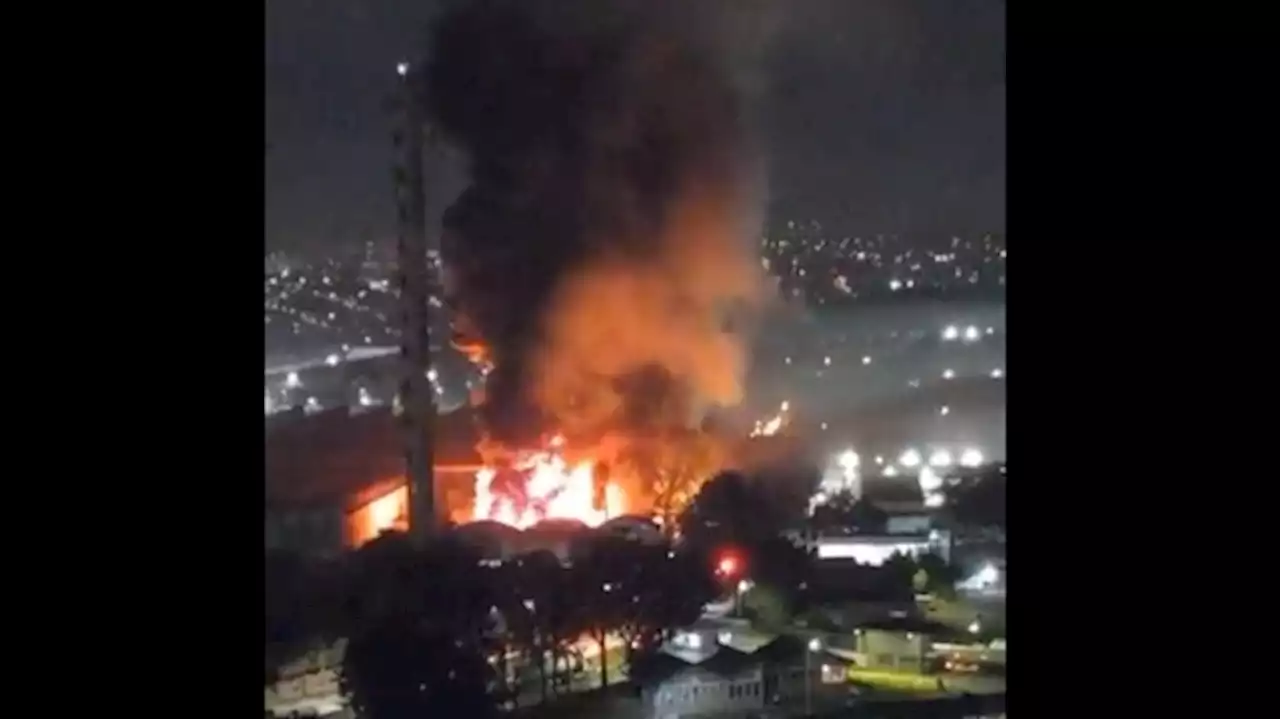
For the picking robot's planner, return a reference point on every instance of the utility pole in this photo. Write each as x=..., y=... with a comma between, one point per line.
x=417, y=395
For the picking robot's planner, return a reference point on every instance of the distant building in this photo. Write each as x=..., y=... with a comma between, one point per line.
x=874, y=550
x=901, y=644
x=708, y=671
x=336, y=480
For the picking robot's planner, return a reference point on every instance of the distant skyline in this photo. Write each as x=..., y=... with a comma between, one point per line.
x=877, y=115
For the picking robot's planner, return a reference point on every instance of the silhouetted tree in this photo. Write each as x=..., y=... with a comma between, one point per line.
x=530, y=584
x=679, y=461
x=787, y=488
x=302, y=607
x=419, y=631
x=845, y=511
x=556, y=613
x=782, y=565
x=603, y=577
x=939, y=577
x=979, y=501
x=901, y=569
x=767, y=606
x=729, y=510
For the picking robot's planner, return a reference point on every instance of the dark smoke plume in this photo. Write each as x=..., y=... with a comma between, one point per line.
x=607, y=230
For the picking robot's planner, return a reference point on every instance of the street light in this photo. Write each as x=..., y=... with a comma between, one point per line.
x=815, y=645
x=727, y=566
x=743, y=587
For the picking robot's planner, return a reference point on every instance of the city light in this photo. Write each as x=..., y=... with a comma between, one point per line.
x=891, y=471
x=971, y=457
x=950, y=333
x=292, y=381
x=929, y=480
x=910, y=458
x=971, y=334
x=984, y=578
x=815, y=645
x=948, y=374
x=727, y=566
x=402, y=68
x=693, y=640
x=940, y=458
x=997, y=373
x=848, y=460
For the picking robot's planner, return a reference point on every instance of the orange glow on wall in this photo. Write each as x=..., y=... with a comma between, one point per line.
x=390, y=511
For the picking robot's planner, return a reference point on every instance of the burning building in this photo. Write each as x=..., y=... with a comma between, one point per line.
x=336, y=480
x=598, y=266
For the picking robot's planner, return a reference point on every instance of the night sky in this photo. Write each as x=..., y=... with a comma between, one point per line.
x=877, y=115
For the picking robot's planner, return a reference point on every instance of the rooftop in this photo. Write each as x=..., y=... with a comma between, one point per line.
x=336, y=456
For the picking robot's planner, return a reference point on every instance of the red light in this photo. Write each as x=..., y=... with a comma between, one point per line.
x=728, y=566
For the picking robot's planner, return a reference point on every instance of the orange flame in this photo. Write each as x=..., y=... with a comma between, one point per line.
x=771, y=426
x=554, y=488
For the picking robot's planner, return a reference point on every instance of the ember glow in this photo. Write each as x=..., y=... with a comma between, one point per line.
x=771, y=426
x=553, y=488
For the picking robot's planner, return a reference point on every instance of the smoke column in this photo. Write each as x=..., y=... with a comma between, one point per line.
x=603, y=253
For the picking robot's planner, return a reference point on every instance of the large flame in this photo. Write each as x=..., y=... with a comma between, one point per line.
x=554, y=488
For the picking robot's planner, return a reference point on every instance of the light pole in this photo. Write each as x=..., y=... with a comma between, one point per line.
x=815, y=645
x=743, y=587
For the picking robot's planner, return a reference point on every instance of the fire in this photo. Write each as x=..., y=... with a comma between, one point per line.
x=553, y=488
x=771, y=426
x=388, y=512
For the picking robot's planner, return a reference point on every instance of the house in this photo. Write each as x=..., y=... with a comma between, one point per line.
x=901, y=643
x=719, y=670
x=725, y=681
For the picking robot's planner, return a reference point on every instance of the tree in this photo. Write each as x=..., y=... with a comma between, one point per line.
x=670, y=591
x=900, y=568
x=785, y=567
x=846, y=511
x=407, y=670
x=788, y=488
x=768, y=607
x=729, y=510
x=979, y=501
x=419, y=631
x=678, y=461
x=532, y=610
x=605, y=576
x=302, y=607
x=734, y=514
x=557, y=613
x=940, y=577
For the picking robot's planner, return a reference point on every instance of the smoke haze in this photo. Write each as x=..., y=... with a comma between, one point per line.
x=603, y=251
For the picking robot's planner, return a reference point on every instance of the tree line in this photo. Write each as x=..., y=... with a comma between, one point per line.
x=435, y=625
